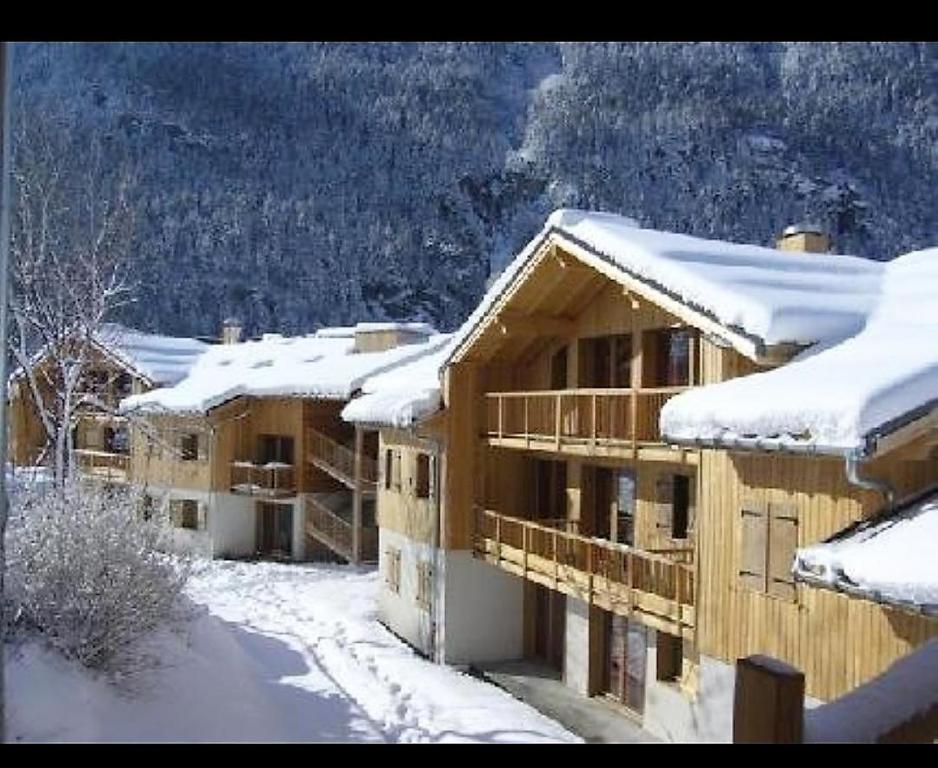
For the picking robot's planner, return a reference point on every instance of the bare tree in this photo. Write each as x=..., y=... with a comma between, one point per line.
x=72, y=222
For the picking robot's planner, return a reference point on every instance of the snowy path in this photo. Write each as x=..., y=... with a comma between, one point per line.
x=280, y=653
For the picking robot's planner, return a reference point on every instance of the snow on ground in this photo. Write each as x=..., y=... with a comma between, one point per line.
x=278, y=653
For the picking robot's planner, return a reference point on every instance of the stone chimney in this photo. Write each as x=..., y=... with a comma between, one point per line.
x=810, y=238
x=230, y=331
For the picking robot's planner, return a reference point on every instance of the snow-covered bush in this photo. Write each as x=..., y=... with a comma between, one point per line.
x=88, y=569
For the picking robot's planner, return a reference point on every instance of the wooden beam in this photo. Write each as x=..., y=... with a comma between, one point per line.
x=537, y=324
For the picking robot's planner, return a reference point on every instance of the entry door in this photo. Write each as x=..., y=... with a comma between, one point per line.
x=626, y=651
x=549, y=626
x=275, y=529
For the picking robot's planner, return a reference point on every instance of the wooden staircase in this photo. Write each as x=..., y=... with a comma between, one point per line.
x=338, y=461
x=329, y=527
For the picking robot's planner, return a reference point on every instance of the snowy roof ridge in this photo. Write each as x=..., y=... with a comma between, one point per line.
x=404, y=395
x=841, y=399
x=762, y=295
x=324, y=367
x=154, y=357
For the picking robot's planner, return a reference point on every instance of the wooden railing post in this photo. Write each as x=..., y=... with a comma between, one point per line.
x=556, y=571
x=498, y=538
x=633, y=417
x=524, y=549
x=768, y=704
x=501, y=417
x=558, y=403
x=593, y=430
x=527, y=428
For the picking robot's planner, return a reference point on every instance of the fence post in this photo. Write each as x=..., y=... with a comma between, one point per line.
x=768, y=702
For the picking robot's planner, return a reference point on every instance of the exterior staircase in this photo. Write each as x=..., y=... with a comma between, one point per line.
x=329, y=521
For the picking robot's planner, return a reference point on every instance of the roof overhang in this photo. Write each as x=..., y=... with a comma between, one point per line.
x=748, y=345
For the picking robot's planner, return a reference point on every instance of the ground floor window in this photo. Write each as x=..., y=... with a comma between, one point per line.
x=669, y=657
x=185, y=513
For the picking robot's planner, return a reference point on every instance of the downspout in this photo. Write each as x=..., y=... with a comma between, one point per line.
x=435, y=544
x=852, y=467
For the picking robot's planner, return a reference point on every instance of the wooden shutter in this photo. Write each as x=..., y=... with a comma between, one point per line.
x=783, y=541
x=203, y=517
x=388, y=464
x=664, y=501
x=423, y=476
x=754, y=541
x=201, y=446
x=432, y=478
x=175, y=512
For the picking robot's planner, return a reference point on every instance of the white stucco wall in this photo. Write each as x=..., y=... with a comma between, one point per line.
x=482, y=609
x=232, y=522
x=400, y=611
x=576, y=656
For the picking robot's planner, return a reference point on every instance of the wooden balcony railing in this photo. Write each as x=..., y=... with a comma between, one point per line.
x=589, y=417
x=273, y=479
x=104, y=464
x=657, y=587
x=333, y=530
x=339, y=460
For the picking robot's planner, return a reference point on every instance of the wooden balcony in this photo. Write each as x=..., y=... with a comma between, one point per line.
x=578, y=421
x=657, y=588
x=338, y=460
x=333, y=530
x=273, y=480
x=106, y=465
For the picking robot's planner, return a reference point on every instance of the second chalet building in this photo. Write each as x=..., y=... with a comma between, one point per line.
x=248, y=450
x=624, y=466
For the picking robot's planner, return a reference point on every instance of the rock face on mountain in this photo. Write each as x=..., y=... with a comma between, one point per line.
x=295, y=185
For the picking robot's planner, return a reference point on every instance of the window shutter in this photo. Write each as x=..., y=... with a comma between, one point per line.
x=783, y=541
x=175, y=512
x=203, y=517
x=692, y=506
x=432, y=478
x=664, y=500
x=752, y=560
x=201, y=446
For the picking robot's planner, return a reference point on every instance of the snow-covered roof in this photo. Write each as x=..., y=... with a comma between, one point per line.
x=837, y=398
x=889, y=560
x=761, y=295
x=404, y=395
x=161, y=359
x=316, y=366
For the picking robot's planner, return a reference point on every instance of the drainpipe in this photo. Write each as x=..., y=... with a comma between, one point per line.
x=852, y=468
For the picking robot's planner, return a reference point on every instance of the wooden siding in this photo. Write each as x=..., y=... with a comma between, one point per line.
x=400, y=510
x=818, y=628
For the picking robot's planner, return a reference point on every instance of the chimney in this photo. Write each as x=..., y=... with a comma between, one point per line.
x=230, y=331
x=810, y=238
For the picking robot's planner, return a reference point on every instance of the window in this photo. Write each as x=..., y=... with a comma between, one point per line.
x=669, y=657
x=422, y=487
x=388, y=467
x=189, y=447
x=393, y=576
x=769, y=537
x=116, y=440
x=674, y=505
x=424, y=584
x=666, y=357
x=185, y=513
x=123, y=384
x=146, y=507
x=274, y=449
x=606, y=361
x=680, y=505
